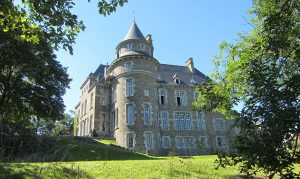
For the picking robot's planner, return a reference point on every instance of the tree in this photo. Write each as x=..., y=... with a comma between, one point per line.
x=262, y=70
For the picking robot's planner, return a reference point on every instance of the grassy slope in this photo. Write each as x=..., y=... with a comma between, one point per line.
x=112, y=162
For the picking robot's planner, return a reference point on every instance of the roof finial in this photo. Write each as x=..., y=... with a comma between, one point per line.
x=133, y=12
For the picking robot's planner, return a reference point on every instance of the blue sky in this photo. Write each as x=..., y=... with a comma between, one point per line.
x=180, y=29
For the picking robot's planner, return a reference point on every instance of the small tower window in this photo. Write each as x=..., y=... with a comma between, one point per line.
x=177, y=81
x=128, y=65
x=142, y=47
x=129, y=46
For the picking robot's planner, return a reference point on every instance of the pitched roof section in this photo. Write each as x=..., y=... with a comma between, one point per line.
x=185, y=75
x=134, y=33
x=99, y=71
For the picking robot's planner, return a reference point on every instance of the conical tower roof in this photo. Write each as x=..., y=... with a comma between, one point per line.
x=134, y=33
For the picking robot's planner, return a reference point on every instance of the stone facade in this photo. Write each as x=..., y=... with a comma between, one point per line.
x=147, y=106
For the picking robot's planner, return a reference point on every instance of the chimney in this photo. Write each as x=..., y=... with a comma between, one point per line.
x=190, y=64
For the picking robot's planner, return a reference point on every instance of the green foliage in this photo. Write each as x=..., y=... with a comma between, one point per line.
x=106, y=8
x=263, y=70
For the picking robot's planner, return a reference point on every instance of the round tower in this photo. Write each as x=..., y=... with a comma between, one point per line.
x=133, y=75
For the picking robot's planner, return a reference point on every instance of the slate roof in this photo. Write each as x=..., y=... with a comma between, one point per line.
x=134, y=33
x=167, y=73
x=99, y=71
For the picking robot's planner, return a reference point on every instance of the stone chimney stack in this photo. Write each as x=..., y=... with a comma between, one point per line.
x=190, y=64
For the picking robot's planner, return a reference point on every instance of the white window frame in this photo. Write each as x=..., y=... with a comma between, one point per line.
x=164, y=121
x=182, y=142
x=163, y=142
x=201, y=121
x=148, y=139
x=204, y=143
x=181, y=96
x=127, y=140
x=115, y=118
x=224, y=143
x=129, y=88
x=219, y=124
x=114, y=94
x=162, y=93
x=182, y=121
x=127, y=117
x=147, y=114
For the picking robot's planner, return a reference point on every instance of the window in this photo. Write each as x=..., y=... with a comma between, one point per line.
x=166, y=142
x=142, y=47
x=196, y=94
x=183, y=121
x=115, y=118
x=128, y=65
x=129, y=46
x=221, y=141
x=201, y=122
x=180, y=98
x=129, y=87
x=130, y=140
x=185, y=142
x=148, y=140
x=203, y=141
x=91, y=101
x=164, y=120
x=219, y=124
x=146, y=111
x=177, y=80
x=85, y=103
x=146, y=93
x=130, y=114
x=91, y=123
x=114, y=95
x=162, y=96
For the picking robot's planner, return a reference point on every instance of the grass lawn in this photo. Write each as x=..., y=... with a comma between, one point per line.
x=106, y=160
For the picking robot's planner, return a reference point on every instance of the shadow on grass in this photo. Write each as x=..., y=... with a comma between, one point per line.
x=20, y=171
x=79, y=149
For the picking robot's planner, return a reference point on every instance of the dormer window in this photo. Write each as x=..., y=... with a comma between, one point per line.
x=176, y=79
x=142, y=47
x=129, y=46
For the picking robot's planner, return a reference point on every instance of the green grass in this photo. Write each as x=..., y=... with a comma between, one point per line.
x=106, y=160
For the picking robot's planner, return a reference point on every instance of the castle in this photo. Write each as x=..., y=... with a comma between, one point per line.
x=147, y=106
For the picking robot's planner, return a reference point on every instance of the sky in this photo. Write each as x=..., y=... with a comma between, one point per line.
x=180, y=30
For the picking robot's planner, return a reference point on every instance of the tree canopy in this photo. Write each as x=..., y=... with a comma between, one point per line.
x=262, y=70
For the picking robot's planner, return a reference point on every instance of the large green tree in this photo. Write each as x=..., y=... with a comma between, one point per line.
x=262, y=70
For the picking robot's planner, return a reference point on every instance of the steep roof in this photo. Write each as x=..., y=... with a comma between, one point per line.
x=99, y=71
x=134, y=33
x=167, y=73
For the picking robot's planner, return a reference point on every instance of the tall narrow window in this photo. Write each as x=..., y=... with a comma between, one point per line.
x=130, y=140
x=130, y=114
x=201, y=122
x=166, y=142
x=164, y=120
x=114, y=95
x=147, y=120
x=219, y=124
x=142, y=47
x=148, y=140
x=196, y=94
x=129, y=87
x=128, y=65
x=180, y=98
x=129, y=46
x=221, y=141
x=162, y=96
x=188, y=122
x=91, y=122
x=115, y=118
x=85, y=103
x=203, y=141
x=92, y=100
